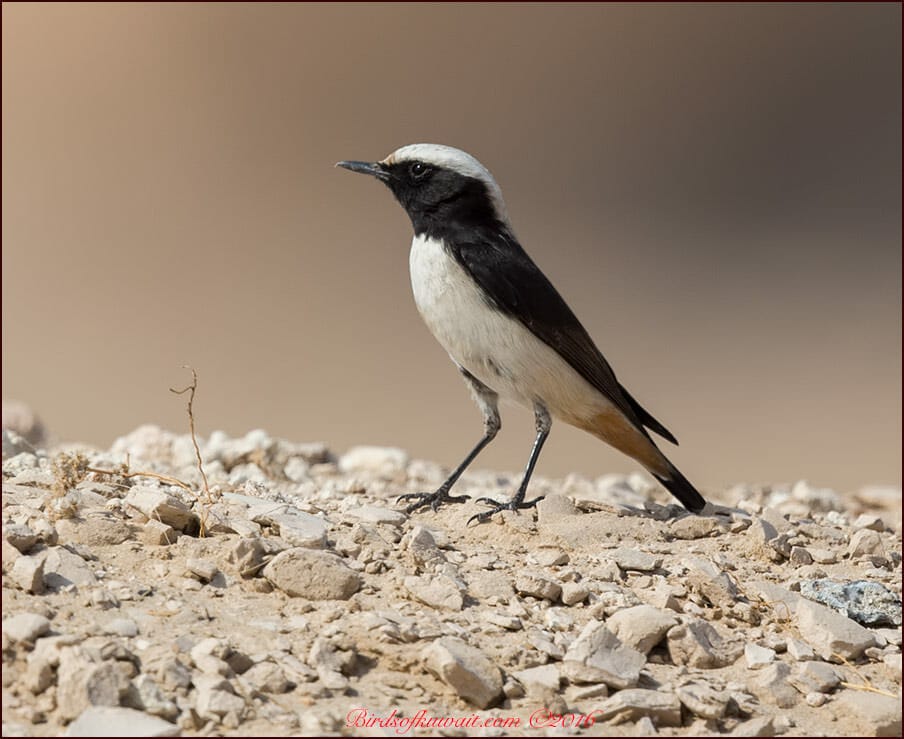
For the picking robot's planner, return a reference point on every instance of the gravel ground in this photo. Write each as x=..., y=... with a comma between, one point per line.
x=299, y=599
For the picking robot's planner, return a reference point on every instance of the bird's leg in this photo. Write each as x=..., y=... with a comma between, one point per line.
x=488, y=401
x=544, y=423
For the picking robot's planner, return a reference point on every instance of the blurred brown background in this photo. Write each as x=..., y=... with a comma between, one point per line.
x=716, y=190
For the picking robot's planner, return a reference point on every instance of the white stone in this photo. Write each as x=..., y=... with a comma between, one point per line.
x=757, y=656
x=25, y=627
x=465, y=669
x=311, y=574
x=597, y=655
x=831, y=633
x=117, y=721
x=641, y=627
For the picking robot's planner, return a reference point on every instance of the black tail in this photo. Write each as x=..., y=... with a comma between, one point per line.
x=679, y=486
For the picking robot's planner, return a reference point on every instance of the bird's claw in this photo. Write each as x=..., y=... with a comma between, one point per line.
x=512, y=505
x=434, y=500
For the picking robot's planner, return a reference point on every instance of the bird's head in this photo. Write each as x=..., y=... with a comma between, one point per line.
x=439, y=187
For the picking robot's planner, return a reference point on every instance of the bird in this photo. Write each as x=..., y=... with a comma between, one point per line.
x=506, y=328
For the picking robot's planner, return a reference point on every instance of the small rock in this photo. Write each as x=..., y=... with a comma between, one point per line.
x=865, y=542
x=759, y=726
x=800, y=651
x=466, y=669
x=20, y=536
x=148, y=697
x=702, y=699
x=311, y=574
x=574, y=593
x=216, y=699
x=122, y=627
x=815, y=699
x=63, y=568
x=437, y=592
x=866, y=602
x=159, y=506
x=634, y=559
x=822, y=556
x=330, y=664
x=202, y=569
x=25, y=627
x=698, y=644
x=814, y=677
x=771, y=686
x=758, y=656
x=541, y=684
x=597, y=655
x=529, y=583
x=633, y=704
x=268, y=677
x=641, y=627
x=157, y=533
x=550, y=557
x=830, y=633
x=800, y=556
x=28, y=574
x=869, y=521
x=873, y=714
x=97, y=528
x=693, y=527
x=377, y=515
x=301, y=529
x=705, y=578
x=117, y=721
x=378, y=460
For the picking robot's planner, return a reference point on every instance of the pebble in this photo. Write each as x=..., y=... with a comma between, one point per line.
x=694, y=527
x=865, y=542
x=311, y=574
x=437, y=592
x=20, y=536
x=377, y=515
x=641, y=627
x=830, y=633
x=757, y=726
x=633, y=704
x=702, y=699
x=541, y=683
x=800, y=651
x=467, y=670
x=25, y=628
x=118, y=721
x=893, y=665
x=300, y=529
x=268, y=677
x=157, y=533
x=159, y=506
x=574, y=593
x=63, y=567
x=634, y=559
x=598, y=656
x=757, y=656
x=814, y=677
x=27, y=573
x=868, y=603
x=771, y=686
x=529, y=583
x=122, y=627
x=698, y=644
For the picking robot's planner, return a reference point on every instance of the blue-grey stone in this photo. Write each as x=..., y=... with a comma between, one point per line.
x=866, y=602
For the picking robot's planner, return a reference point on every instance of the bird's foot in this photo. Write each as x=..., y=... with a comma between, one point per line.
x=434, y=500
x=515, y=504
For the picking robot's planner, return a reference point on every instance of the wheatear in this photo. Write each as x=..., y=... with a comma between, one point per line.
x=505, y=326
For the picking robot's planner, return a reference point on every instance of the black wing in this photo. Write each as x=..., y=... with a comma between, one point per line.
x=515, y=285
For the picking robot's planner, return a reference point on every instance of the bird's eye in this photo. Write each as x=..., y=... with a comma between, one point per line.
x=418, y=170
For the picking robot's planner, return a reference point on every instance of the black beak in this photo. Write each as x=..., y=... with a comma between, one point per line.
x=374, y=169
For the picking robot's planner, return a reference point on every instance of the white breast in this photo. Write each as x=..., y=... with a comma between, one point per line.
x=498, y=350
